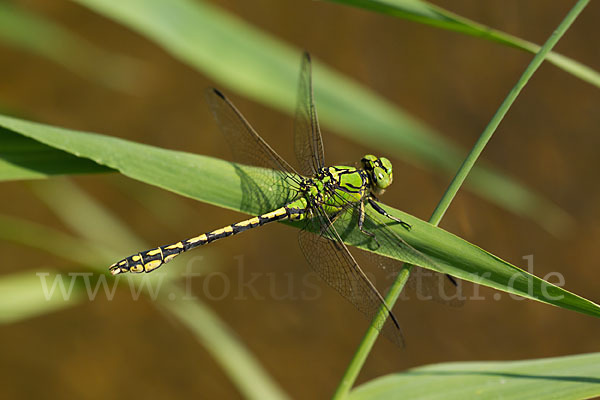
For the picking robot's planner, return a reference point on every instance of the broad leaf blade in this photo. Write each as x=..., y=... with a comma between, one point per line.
x=219, y=182
x=570, y=377
x=255, y=64
x=25, y=158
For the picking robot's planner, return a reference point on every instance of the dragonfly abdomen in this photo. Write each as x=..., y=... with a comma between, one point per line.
x=149, y=260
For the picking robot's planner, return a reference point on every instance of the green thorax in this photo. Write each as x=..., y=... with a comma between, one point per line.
x=334, y=187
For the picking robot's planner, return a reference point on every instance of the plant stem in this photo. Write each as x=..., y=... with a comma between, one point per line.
x=369, y=339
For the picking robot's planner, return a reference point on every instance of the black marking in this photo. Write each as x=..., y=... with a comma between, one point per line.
x=295, y=213
x=451, y=278
x=177, y=250
x=210, y=237
x=222, y=234
x=147, y=258
x=218, y=93
x=381, y=211
x=241, y=228
x=346, y=190
x=352, y=186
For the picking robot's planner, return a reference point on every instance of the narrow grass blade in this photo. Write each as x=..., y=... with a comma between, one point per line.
x=220, y=342
x=68, y=247
x=43, y=37
x=535, y=286
x=429, y=14
x=255, y=64
x=22, y=296
x=73, y=206
x=570, y=377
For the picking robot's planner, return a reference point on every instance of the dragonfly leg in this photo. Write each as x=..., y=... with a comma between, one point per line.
x=361, y=221
x=381, y=211
x=405, y=225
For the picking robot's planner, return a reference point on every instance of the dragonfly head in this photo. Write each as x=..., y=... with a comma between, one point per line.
x=380, y=172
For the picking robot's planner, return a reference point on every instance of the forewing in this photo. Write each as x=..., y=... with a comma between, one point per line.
x=247, y=145
x=249, y=148
x=308, y=143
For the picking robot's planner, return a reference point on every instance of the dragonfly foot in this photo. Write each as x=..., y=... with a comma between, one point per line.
x=405, y=225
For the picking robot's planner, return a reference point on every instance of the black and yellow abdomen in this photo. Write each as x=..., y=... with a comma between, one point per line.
x=149, y=260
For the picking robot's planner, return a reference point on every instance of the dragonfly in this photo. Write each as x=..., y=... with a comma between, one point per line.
x=325, y=200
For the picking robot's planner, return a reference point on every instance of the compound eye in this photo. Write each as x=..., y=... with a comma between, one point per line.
x=386, y=164
x=381, y=178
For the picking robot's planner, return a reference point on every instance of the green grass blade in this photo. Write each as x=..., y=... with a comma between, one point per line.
x=243, y=58
x=73, y=206
x=218, y=182
x=570, y=377
x=469, y=162
x=21, y=297
x=429, y=14
x=38, y=35
x=61, y=244
x=24, y=158
x=183, y=173
x=534, y=285
x=218, y=339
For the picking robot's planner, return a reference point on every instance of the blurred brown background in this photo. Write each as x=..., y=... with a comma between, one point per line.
x=549, y=141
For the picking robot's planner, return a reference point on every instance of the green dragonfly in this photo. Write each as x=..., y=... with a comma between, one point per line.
x=325, y=199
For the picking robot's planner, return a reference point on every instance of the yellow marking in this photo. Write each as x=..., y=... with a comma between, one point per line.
x=154, y=252
x=175, y=246
x=276, y=213
x=137, y=268
x=251, y=221
x=227, y=229
x=200, y=238
x=296, y=215
x=136, y=258
x=123, y=262
x=152, y=265
x=169, y=258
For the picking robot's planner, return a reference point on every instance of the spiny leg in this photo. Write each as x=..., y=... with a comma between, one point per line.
x=381, y=211
x=361, y=221
x=405, y=225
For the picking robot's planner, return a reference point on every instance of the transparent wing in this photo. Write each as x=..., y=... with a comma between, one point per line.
x=250, y=149
x=329, y=257
x=247, y=145
x=427, y=285
x=424, y=283
x=308, y=143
